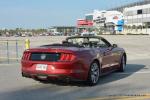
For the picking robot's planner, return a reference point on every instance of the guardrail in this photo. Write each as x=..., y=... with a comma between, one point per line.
x=11, y=50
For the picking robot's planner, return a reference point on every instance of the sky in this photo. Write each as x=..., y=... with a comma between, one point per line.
x=46, y=13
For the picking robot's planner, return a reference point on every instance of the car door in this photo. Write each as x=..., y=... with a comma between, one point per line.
x=116, y=54
x=105, y=50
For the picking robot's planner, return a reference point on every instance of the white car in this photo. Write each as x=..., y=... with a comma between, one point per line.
x=57, y=34
x=88, y=34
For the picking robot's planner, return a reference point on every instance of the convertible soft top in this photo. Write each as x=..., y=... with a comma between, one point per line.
x=99, y=37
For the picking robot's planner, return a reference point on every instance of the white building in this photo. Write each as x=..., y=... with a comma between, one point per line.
x=138, y=17
x=111, y=20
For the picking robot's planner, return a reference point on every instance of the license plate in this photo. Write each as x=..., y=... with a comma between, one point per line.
x=41, y=67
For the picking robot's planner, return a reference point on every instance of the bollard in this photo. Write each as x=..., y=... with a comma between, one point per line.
x=27, y=43
x=7, y=52
x=17, y=50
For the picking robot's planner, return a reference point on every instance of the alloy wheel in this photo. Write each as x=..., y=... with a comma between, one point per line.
x=94, y=73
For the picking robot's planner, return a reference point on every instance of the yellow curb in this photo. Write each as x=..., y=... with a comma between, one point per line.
x=130, y=97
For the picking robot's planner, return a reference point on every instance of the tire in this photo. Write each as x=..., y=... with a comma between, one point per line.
x=122, y=64
x=94, y=73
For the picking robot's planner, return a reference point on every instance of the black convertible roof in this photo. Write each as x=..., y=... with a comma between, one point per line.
x=99, y=37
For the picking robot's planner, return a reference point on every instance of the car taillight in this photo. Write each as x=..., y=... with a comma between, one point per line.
x=26, y=56
x=67, y=57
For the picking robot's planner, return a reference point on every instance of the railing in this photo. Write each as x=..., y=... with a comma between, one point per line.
x=11, y=50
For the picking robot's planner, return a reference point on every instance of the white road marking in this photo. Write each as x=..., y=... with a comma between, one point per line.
x=140, y=72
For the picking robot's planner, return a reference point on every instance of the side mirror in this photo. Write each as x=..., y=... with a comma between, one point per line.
x=114, y=45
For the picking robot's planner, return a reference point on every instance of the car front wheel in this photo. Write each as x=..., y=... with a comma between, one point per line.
x=122, y=64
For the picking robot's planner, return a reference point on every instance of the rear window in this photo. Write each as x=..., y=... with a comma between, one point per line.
x=53, y=57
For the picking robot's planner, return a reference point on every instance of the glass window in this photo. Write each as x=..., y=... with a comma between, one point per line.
x=89, y=17
x=139, y=11
x=91, y=42
x=102, y=44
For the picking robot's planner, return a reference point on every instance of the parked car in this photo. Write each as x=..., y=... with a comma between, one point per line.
x=57, y=34
x=83, y=58
x=23, y=35
x=16, y=35
x=88, y=34
x=71, y=34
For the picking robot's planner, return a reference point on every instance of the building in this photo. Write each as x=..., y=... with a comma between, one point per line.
x=136, y=16
x=89, y=17
x=65, y=30
x=102, y=21
x=137, y=3
x=110, y=21
x=83, y=24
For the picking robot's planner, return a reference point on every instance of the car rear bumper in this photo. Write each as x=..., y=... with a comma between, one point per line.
x=71, y=71
x=50, y=76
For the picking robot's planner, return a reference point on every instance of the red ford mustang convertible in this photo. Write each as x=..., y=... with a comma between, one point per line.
x=81, y=58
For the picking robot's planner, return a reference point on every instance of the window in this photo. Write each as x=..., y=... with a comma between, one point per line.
x=90, y=42
x=104, y=43
x=89, y=17
x=52, y=57
x=139, y=11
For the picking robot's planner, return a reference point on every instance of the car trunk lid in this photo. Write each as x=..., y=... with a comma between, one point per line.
x=50, y=54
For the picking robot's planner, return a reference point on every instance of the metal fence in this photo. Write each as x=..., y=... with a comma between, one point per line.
x=11, y=50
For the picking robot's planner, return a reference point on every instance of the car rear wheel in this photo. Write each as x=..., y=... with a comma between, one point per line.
x=94, y=74
x=122, y=64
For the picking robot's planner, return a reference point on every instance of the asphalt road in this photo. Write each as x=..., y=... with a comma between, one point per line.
x=133, y=84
